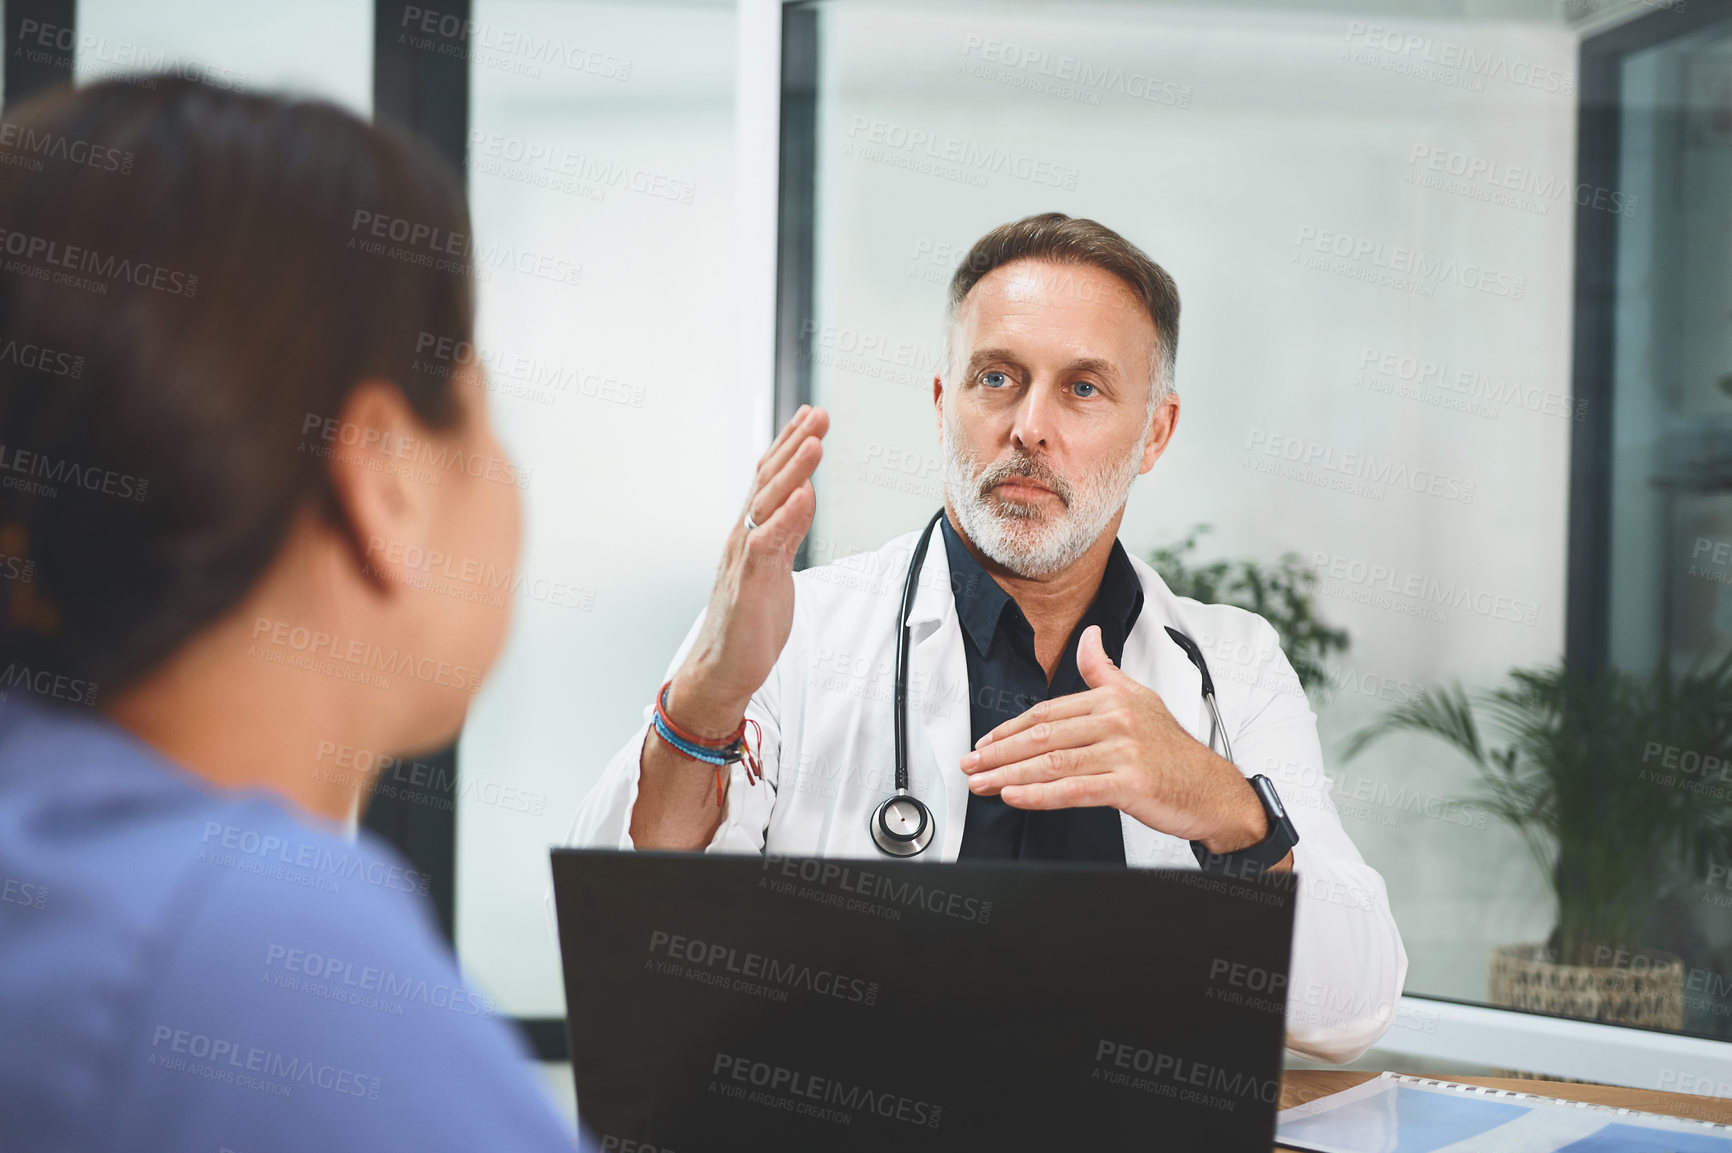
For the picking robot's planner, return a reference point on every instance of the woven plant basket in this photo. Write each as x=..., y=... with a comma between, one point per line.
x=1647, y=991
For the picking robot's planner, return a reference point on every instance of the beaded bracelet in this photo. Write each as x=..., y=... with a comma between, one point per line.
x=719, y=754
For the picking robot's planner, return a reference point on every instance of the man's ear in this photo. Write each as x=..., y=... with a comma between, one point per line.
x=1161, y=431
x=386, y=511
x=938, y=404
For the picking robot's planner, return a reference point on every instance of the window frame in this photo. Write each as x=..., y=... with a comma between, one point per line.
x=428, y=95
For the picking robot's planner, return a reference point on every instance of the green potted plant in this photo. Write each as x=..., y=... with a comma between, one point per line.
x=1282, y=593
x=1591, y=771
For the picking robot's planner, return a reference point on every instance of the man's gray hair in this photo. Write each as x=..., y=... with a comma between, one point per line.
x=1061, y=239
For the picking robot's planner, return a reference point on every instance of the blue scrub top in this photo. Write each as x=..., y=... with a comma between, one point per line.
x=189, y=969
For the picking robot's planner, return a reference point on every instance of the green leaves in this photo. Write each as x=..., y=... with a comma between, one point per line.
x=1282, y=594
x=1582, y=773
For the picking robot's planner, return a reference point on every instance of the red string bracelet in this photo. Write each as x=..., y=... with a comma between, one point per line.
x=720, y=754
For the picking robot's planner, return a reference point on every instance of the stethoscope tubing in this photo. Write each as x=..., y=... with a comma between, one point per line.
x=916, y=562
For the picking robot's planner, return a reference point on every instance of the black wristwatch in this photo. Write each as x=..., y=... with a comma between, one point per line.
x=1251, y=861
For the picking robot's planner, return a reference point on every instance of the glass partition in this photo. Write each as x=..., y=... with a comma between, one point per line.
x=1670, y=476
x=1376, y=222
x=321, y=47
x=1672, y=388
x=1373, y=222
x=600, y=157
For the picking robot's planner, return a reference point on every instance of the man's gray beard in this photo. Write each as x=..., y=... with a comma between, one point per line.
x=1026, y=541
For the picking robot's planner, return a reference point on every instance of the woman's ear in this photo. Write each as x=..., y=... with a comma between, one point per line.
x=381, y=501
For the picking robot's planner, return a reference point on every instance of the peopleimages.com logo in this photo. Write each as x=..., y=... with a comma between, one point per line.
x=29, y=471
x=297, y=646
x=16, y=892
x=306, y=863
x=924, y=150
x=1388, y=586
x=728, y=961
x=1398, y=266
x=1427, y=57
x=416, y=242
x=319, y=972
x=25, y=146
x=1069, y=77
x=47, y=683
x=501, y=46
x=37, y=358
x=807, y=1093
x=252, y=1066
x=1359, y=473
x=849, y=887
x=326, y=435
x=614, y=1143
x=1511, y=185
x=1168, y=1075
x=88, y=269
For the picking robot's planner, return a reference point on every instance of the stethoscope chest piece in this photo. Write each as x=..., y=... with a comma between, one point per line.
x=902, y=825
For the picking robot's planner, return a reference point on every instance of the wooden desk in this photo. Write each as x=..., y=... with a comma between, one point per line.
x=1301, y=1085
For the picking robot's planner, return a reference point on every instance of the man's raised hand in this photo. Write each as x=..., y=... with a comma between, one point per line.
x=751, y=609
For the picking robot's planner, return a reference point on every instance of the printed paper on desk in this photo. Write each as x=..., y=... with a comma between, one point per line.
x=1396, y=1114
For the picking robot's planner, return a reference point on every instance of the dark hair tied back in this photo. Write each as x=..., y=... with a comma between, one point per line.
x=183, y=309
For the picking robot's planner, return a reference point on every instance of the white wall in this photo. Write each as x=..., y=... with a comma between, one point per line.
x=1265, y=128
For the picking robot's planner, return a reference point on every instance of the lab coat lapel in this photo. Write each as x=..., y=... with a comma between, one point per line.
x=1152, y=659
x=938, y=687
x=938, y=693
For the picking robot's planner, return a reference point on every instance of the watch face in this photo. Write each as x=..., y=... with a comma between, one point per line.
x=902, y=817
x=1276, y=812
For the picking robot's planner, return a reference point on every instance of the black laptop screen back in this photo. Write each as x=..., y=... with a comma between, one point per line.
x=740, y=1003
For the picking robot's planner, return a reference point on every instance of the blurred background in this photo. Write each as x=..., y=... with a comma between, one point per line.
x=1456, y=369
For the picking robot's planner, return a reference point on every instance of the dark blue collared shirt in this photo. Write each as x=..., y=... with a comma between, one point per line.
x=1005, y=680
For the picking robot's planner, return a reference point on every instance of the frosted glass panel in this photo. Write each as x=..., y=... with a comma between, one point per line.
x=1370, y=218
x=319, y=47
x=615, y=386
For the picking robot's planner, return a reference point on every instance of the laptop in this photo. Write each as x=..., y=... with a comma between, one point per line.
x=799, y=1004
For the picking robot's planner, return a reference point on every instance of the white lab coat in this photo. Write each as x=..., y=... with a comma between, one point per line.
x=828, y=761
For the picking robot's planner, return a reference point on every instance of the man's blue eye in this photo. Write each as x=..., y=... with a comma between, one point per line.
x=1081, y=385
x=994, y=379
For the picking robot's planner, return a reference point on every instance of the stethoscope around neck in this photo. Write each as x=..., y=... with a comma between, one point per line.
x=902, y=825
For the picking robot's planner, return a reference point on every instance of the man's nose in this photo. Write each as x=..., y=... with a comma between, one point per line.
x=1033, y=420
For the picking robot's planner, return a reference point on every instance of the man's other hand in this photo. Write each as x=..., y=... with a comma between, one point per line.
x=1117, y=745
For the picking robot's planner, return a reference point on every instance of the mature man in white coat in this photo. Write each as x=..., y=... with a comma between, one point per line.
x=1051, y=713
